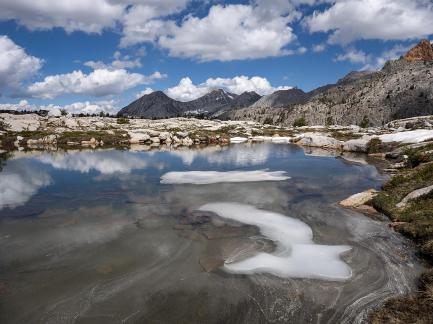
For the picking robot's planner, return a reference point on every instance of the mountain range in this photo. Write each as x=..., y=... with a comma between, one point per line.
x=402, y=88
x=158, y=105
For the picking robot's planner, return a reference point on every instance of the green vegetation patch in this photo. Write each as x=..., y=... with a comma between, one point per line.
x=415, y=219
x=301, y=121
x=122, y=120
x=344, y=136
x=375, y=145
x=115, y=138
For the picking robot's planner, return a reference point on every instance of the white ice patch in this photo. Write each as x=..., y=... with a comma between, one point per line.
x=296, y=256
x=415, y=136
x=237, y=140
x=281, y=139
x=208, y=177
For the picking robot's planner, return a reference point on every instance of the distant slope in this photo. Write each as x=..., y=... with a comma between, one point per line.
x=245, y=99
x=210, y=103
x=281, y=98
x=403, y=88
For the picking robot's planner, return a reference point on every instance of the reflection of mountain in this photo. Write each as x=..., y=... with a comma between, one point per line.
x=19, y=181
x=239, y=155
x=105, y=162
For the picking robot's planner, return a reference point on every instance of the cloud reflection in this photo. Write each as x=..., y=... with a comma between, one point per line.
x=238, y=155
x=105, y=162
x=19, y=181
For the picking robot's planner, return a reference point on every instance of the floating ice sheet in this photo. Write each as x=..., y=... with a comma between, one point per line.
x=296, y=255
x=208, y=177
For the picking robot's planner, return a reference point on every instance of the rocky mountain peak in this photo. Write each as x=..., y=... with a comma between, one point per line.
x=423, y=51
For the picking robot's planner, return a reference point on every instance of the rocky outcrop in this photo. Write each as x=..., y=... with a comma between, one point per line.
x=318, y=140
x=421, y=52
x=357, y=145
x=414, y=195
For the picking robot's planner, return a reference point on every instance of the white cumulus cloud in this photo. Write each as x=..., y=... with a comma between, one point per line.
x=186, y=90
x=100, y=82
x=118, y=63
x=351, y=20
x=354, y=56
x=15, y=64
x=371, y=62
x=71, y=15
x=144, y=22
x=144, y=92
x=85, y=107
x=231, y=32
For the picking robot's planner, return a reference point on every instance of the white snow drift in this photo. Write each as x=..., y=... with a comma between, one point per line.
x=415, y=136
x=296, y=254
x=208, y=177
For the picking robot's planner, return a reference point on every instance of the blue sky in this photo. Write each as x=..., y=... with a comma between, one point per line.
x=102, y=54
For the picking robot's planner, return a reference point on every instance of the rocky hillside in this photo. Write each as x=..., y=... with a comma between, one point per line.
x=282, y=98
x=245, y=99
x=159, y=105
x=210, y=103
x=402, y=89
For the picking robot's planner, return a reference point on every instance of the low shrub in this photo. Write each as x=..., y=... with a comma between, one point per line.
x=365, y=122
x=122, y=120
x=300, y=122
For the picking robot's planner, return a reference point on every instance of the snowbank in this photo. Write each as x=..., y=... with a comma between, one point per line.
x=410, y=137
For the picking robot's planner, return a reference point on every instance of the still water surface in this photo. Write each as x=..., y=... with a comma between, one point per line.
x=115, y=236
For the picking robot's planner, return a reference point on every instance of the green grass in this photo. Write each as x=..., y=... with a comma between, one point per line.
x=301, y=121
x=122, y=120
x=344, y=136
x=417, y=215
x=417, y=218
x=115, y=139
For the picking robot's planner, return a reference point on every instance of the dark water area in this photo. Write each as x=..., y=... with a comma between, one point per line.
x=94, y=237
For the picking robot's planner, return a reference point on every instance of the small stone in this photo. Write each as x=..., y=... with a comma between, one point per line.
x=413, y=195
x=153, y=133
x=181, y=134
x=210, y=264
x=359, y=199
x=155, y=140
x=187, y=141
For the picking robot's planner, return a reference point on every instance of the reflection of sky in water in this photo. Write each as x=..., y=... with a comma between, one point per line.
x=105, y=162
x=239, y=155
x=19, y=181
x=90, y=235
x=26, y=173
